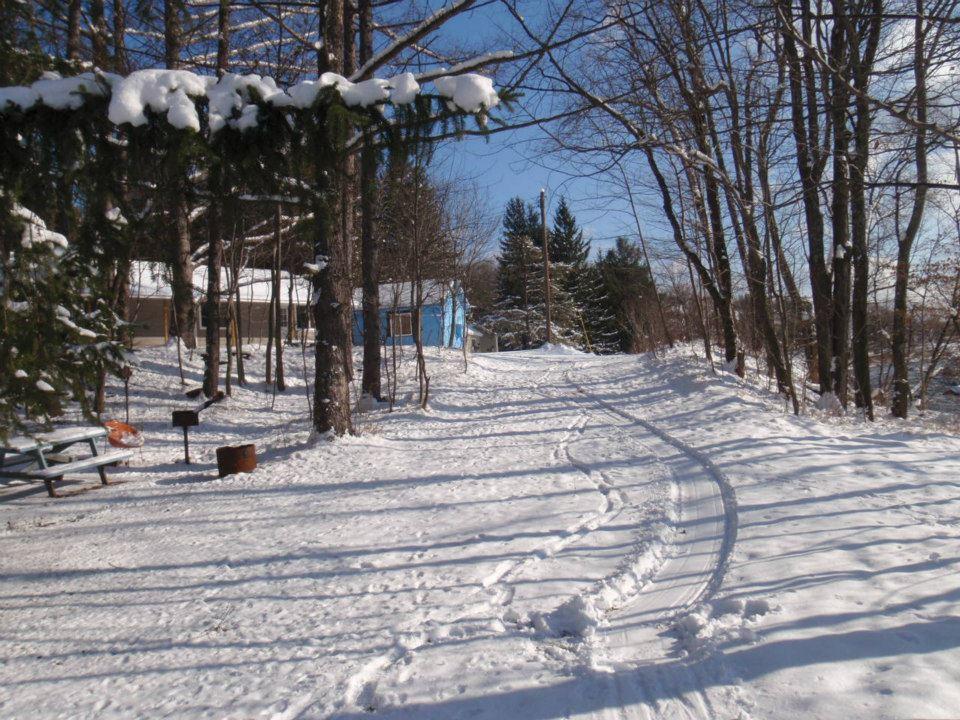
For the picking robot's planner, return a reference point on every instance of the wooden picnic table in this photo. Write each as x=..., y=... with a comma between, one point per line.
x=43, y=457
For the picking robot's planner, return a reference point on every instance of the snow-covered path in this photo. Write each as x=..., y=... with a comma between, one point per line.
x=560, y=536
x=582, y=640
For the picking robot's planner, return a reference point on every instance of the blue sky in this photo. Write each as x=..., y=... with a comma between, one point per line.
x=506, y=165
x=512, y=164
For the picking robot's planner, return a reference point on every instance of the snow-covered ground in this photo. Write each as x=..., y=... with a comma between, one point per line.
x=560, y=535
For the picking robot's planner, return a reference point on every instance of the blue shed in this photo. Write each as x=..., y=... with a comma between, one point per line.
x=444, y=314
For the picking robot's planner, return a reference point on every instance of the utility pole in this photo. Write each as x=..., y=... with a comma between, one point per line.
x=546, y=261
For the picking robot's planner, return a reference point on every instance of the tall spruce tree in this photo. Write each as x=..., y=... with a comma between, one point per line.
x=579, y=312
x=598, y=311
x=567, y=244
x=628, y=287
x=519, y=316
x=518, y=311
x=520, y=223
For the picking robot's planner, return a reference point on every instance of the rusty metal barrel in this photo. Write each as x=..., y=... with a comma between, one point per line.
x=236, y=459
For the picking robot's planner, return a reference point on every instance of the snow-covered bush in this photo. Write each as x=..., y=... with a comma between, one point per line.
x=54, y=335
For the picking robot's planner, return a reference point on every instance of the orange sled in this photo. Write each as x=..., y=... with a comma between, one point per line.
x=122, y=435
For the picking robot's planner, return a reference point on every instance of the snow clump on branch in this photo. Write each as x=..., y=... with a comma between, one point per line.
x=35, y=231
x=237, y=92
x=233, y=99
x=52, y=90
x=469, y=92
x=163, y=91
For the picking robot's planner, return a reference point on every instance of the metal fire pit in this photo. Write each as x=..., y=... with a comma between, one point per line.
x=236, y=459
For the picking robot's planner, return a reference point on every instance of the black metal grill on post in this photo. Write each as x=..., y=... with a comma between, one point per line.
x=186, y=419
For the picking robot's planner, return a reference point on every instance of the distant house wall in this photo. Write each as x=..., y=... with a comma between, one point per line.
x=443, y=324
x=152, y=321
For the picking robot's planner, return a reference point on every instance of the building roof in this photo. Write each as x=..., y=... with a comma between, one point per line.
x=399, y=294
x=150, y=279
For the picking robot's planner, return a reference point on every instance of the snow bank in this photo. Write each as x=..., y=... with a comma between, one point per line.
x=577, y=617
x=470, y=92
x=557, y=349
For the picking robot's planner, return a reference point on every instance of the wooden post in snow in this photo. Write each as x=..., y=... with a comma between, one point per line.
x=546, y=261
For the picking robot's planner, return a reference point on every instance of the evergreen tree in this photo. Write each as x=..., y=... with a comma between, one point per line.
x=628, y=286
x=55, y=337
x=520, y=320
x=599, y=312
x=577, y=309
x=520, y=224
x=518, y=316
x=518, y=310
x=568, y=247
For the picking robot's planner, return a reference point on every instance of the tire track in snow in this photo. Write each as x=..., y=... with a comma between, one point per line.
x=650, y=692
x=727, y=494
x=662, y=572
x=637, y=567
x=645, y=687
x=360, y=690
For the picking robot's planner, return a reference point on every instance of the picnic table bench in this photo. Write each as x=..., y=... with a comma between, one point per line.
x=44, y=458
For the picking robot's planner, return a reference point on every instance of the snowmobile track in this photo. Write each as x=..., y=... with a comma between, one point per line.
x=727, y=494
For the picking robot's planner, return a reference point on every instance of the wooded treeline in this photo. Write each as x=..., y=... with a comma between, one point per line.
x=803, y=155
x=802, y=158
x=594, y=302
x=233, y=172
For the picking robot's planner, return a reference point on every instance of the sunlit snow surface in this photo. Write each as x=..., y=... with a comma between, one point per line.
x=560, y=535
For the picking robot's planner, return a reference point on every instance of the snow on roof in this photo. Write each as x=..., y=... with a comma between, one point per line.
x=399, y=294
x=152, y=280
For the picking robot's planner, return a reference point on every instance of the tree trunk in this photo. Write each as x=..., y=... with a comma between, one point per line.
x=721, y=299
x=172, y=32
x=73, y=30
x=277, y=312
x=227, y=380
x=348, y=179
x=176, y=206
x=369, y=246
x=223, y=37
x=271, y=315
x=99, y=34
x=332, y=305
x=181, y=266
x=291, y=314
x=806, y=140
x=238, y=317
x=211, y=374
x=900, y=403
x=863, y=65
x=120, y=63
x=840, y=209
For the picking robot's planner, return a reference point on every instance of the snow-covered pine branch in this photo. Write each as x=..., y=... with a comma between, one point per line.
x=233, y=99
